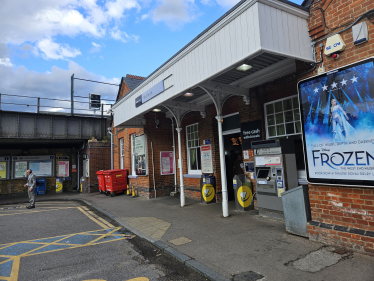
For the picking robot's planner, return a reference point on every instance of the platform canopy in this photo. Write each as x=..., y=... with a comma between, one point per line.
x=265, y=37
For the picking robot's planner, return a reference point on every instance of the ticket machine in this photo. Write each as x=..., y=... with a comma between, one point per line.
x=275, y=171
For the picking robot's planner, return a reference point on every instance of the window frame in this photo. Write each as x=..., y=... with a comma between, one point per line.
x=121, y=153
x=284, y=118
x=197, y=171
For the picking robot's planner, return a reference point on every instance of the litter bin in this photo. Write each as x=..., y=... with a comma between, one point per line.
x=208, y=188
x=59, y=185
x=41, y=186
x=115, y=181
x=296, y=210
x=243, y=193
x=101, y=181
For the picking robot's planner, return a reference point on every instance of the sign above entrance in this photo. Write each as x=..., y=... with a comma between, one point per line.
x=150, y=93
x=251, y=131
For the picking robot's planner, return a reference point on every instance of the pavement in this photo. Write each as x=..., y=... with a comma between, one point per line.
x=241, y=247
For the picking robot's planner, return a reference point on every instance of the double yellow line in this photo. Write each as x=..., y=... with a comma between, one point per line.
x=100, y=221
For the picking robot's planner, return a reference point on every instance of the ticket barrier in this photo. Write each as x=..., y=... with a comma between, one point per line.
x=276, y=172
x=243, y=193
x=208, y=188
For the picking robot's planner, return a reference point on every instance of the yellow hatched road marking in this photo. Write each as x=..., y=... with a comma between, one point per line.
x=34, y=211
x=15, y=269
x=102, y=236
x=101, y=219
x=92, y=218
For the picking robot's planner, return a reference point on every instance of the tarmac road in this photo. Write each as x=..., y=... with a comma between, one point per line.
x=67, y=240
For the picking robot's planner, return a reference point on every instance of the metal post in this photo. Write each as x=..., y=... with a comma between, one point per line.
x=38, y=108
x=174, y=164
x=72, y=94
x=180, y=166
x=0, y=101
x=225, y=207
x=102, y=110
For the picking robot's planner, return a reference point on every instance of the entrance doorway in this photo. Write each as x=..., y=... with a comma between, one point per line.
x=233, y=148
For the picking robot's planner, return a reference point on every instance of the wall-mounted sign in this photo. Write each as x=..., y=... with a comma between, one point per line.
x=207, y=141
x=334, y=44
x=140, y=145
x=41, y=166
x=338, y=125
x=63, y=169
x=251, y=131
x=4, y=167
x=206, y=159
x=167, y=162
x=150, y=93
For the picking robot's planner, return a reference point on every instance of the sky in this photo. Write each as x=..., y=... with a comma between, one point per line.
x=44, y=42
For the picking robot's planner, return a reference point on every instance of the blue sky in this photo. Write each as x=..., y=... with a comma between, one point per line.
x=43, y=42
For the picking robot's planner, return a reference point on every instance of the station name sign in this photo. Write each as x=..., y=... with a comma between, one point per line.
x=338, y=125
x=150, y=93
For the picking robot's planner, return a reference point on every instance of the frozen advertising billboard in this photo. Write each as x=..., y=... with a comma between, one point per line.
x=337, y=110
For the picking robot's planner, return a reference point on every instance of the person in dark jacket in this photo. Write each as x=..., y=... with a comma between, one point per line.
x=31, y=185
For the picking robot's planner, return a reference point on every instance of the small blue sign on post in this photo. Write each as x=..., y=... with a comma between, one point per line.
x=207, y=141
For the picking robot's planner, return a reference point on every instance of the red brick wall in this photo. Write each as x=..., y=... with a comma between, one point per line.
x=341, y=215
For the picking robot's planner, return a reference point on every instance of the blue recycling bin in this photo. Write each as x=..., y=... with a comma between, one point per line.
x=42, y=187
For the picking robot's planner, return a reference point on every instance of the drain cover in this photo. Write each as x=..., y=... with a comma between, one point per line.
x=247, y=276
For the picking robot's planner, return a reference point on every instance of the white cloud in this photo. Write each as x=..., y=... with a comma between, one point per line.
x=6, y=62
x=96, y=45
x=96, y=48
x=117, y=34
x=34, y=21
x=175, y=13
x=54, y=83
x=145, y=16
x=52, y=50
x=115, y=9
x=223, y=3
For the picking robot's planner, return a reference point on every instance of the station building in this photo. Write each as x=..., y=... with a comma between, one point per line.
x=241, y=80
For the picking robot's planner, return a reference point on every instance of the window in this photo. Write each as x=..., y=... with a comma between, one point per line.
x=122, y=154
x=138, y=155
x=193, y=149
x=282, y=117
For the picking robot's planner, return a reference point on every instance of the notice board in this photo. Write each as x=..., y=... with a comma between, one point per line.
x=41, y=166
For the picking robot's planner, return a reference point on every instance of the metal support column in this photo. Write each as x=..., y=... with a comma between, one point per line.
x=72, y=95
x=38, y=108
x=180, y=166
x=225, y=207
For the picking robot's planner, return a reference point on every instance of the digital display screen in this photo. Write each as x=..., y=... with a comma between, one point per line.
x=263, y=173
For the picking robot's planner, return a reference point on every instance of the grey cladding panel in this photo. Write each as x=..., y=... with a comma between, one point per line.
x=59, y=127
x=73, y=128
x=9, y=125
x=27, y=126
x=43, y=127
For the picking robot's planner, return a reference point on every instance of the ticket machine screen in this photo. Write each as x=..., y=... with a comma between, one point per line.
x=263, y=173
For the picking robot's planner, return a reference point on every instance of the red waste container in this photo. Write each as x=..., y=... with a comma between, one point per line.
x=101, y=181
x=115, y=181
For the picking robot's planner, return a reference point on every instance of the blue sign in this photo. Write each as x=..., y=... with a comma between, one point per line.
x=206, y=141
x=150, y=93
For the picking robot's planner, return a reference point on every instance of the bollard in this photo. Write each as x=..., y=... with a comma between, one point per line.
x=128, y=191
x=133, y=192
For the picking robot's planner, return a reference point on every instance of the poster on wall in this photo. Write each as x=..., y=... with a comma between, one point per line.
x=140, y=145
x=3, y=170
x=63, y=169
x=337, y=111
x=206, y=159
x=20, y=169
x=167, y=163
x=41, y=168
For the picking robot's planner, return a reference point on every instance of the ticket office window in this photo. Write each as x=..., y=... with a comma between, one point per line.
x=139, y=155
x=282, y=117
x=193, y=149
x=122, y=154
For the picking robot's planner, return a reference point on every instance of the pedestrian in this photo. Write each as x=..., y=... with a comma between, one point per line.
x=238, y=165
x=31, y=185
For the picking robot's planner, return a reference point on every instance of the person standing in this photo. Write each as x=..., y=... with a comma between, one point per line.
x=31, y=185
